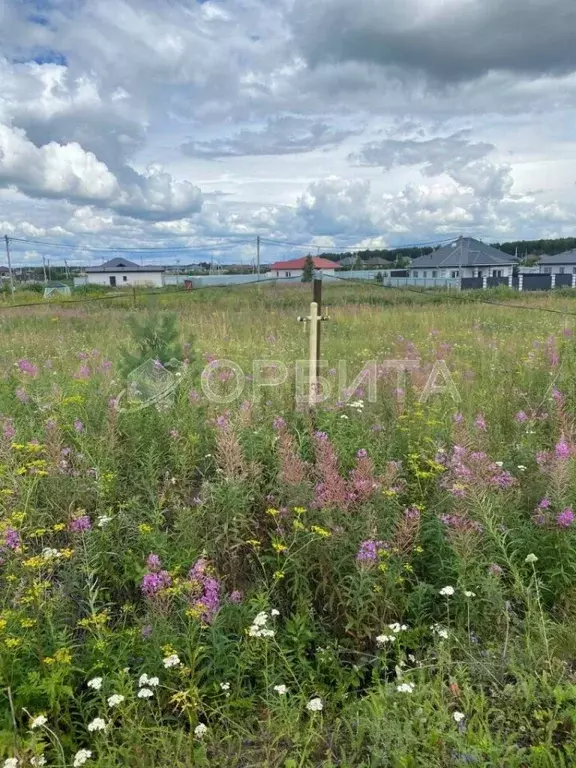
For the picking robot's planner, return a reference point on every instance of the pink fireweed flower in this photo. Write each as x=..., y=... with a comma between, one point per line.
x=78, y=426
x=154, y=583
x=458, y=418
x=12, y=539
x=278, y=423
x=562, y=449
x=22, y=395
x=153, y=563
x=480, y=422
x=521, y=417
x=235, y=596
x=565, y=518
x=80, y=524
x=496, y=570
x=25, y=366
x=8, y=429
x=205, y=589
x=368, y=551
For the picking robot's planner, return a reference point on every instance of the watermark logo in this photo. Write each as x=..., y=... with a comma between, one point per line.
x=150, y=385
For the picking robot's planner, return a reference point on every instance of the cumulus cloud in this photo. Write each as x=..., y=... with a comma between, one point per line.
x=69, y=172
x=284, y=135
x=448, y=40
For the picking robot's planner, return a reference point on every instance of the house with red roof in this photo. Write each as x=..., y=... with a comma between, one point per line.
x=295, y=267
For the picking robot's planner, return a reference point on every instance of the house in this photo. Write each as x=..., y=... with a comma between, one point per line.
x=348, y=262
x=465, y=257
x=120, y=272
x=295, y=267
x=376, y=262
x=561, y=264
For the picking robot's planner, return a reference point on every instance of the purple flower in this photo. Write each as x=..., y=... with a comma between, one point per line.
x=222, y=421
x=206, y=590
x=78, y=426
x=236, y=596
x=458, y=418
x=480, y=422
x=83, y=373
x=538, y=518
x=80, y=524
x=362, y=453
x=521, y=417
x=495, y=570
x=279, y=423
x=193, y=396
x=368, y=551
x=146, y=631
x=12, y=539
x=544, y=503
x=153, y=563
x=153, y=583
x=320, y=435
x=28, y=368
x=562, y=450
x=51, y=425
x=412, y=513
x=565, y=518
x=8, y=429
x=22, y=395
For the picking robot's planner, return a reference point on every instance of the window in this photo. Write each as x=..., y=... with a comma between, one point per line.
x=425, y=273
x=455, y=273
x=496, y=273
x=547, y=270
x=479, y=273
x=434, y=273
x=124, y=278
x=415, y=273
x=560, y=270
x=574, y=270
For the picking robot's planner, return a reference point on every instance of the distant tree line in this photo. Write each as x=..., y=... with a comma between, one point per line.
x=538, y=247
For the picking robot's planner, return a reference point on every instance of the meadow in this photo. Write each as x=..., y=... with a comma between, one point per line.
x=240, y=583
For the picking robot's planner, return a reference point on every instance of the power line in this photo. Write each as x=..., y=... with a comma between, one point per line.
x=123, y=249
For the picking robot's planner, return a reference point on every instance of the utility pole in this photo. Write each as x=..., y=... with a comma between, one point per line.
x=257, y=257
x=317, y=298
x=67, y=270
x=315, y=318
x=44, y=268
x=7, y=240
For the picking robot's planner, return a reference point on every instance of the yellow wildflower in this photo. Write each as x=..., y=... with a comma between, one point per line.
x=254, y=542
x=299, y=510
x=145, y=528
x=3, y=623
x=279, y=575
x=298, y=526
x=277, y=546
x=59, y=527
x=320, y=531
x=49, y=660
x=63, y=656
x=13, y=642
x=27, y=623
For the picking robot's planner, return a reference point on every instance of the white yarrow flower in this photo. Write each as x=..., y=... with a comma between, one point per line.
x=397, y=627
x=98, y=724
x=200, y=730
x=153, y=682
x=102, y=521
x=383, y=639
x=171, y=661
x=40, y=760
x=143, y=680
x=145, y=693
x=261, y=619
x=531, y=558
x=447, y=591
x=315, y=705
x=405, y=688
x=439, y=630
x=115, y=699
x=38, y=721
x=81, y=757
x=281, y=690
x=225, y=686
x=458, y=716
x=11, y=762
x=274, y=612
x=95, y=683
x=468, y=593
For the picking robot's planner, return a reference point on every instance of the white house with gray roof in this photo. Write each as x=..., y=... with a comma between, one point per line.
x=465, y=257
x=561, y=264
x=120, y=272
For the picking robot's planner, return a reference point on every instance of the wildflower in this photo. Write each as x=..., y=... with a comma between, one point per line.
x=368, y=551
x=38, y=721
x=236, y=596
x=224, y=686
x=522, y=468
x=480, y=422
x=521, y=417
x=103, y=521
x=82, y=756
x=315, y=705
x=447, y=591
x=153, y=682
x=281, y=690
x=171, y=661
x=458, y=716
x=145, y=693
x=153, y=583
x=495, y=569
x=531, y=558
x=95, y=683
x=11, y=762
x=200, y=731
x=115, y=699
x=405, y=688
x=565, y=518
x=261, y=619
x=274, y=612
x=439, y=630
x=80, y=524
x=397, y=627
x=40, y=760
x=562, y=449
x=383, y=639
x=78, y=426
x=98, y=724
x=468, y=593
x=12, y=539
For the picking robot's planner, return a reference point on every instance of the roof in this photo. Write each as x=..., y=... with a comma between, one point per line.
x=464, y=252
x=123, y=265
x=376, y=261
x=568, y=257
x=347, y=261
x=319, y=263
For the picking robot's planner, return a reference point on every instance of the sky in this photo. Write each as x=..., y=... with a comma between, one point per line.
x=179, y=124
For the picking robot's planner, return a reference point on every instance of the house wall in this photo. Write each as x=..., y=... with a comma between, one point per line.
x=557, y=269
x=467, y=272
x=155, y=279
x=298, y=272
